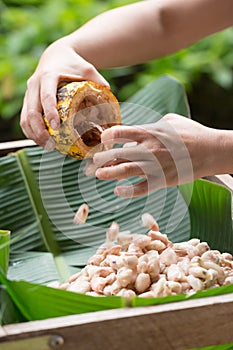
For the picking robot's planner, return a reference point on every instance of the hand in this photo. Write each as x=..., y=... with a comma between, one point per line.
x=172, y=151
x=58, y=64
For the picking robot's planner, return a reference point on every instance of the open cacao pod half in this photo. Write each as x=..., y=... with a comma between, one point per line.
x=85, y=109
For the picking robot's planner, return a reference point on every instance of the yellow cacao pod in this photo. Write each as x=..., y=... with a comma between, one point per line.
x=85, y=109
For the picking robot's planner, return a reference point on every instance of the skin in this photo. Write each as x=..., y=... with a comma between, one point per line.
x=167, y=154
x=124, y=36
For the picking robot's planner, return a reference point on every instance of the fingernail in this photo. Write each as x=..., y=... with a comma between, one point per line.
x=98, y=173
x=116, y=191
x=90, y=169
x=124, y=191
x=96, y=161
x=54, y=124
x=104, y=81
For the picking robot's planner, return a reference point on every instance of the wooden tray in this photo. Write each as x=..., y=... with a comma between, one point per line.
x=176, y=326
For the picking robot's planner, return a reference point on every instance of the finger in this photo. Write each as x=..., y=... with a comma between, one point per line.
x=90, y=168
x=35, y=119
x=122, y=171
x=40, y=133
x=140, y=189
x=93, y=75
x=64, y=79
x=48, y=91
x=26, y=127
x=89, y=72
x=123, y=134
x=115, y=161
x=136, y=153
x=32, y=122
x=151, y=183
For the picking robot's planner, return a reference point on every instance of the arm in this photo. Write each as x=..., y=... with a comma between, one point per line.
x=224, y=149
x=173, y=151
x=126, y=35
x=148, y=29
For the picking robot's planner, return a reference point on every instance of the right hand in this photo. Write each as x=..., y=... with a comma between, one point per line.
x=173, y=151
x=59, y=64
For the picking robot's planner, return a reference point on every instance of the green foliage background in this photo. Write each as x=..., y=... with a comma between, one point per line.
x=27, y=27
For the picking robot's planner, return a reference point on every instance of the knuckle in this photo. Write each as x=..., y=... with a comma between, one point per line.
x=115, y=133
x=23, y=124
x=128, y=168
x=31, y=113
x=47, y=96
x=45, y=73
x=30, y=82
x=169, y=116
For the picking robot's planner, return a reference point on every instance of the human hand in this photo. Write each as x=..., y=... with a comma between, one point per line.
x=58, y=64
x=172, y=151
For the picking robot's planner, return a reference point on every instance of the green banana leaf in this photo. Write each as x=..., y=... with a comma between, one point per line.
x=216, y=347
x=209, y=220
x=8, y=311
x=37, y=302
x=52, y=302
x=4, y=250
x=41, y=191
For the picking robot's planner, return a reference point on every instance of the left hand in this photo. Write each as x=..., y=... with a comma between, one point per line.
x=172, y=151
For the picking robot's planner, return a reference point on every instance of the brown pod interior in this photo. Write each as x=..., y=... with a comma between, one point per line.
x=93, y=116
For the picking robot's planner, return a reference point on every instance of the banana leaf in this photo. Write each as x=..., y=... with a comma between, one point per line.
x=209, y=220
x=8, y=311
x=216, y=347
x=41, y=191
x=4, y=250
x=37, y=302
x=52, y=302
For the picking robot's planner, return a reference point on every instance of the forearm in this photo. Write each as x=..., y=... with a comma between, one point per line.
x=148, y=29
x=210, y=149
x=223, y=152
